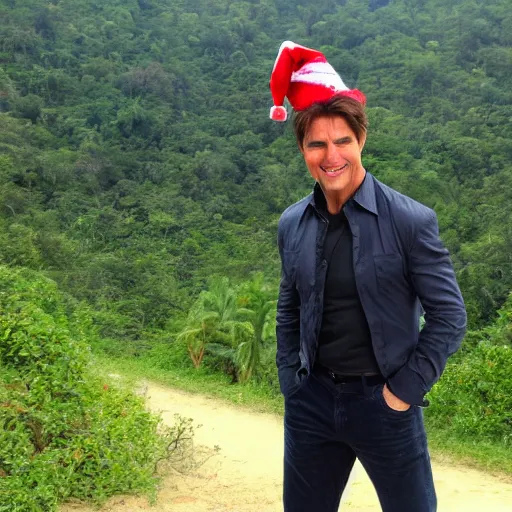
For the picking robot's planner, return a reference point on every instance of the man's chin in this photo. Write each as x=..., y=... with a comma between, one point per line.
x=333, y=186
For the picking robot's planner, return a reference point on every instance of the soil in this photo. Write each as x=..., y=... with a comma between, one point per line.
x=245, y=474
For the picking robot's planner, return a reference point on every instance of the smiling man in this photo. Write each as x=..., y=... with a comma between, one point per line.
x=359, y=262
x=332, y=152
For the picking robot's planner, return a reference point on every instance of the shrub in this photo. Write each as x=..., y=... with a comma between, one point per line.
x=169, y=353
x=65, y=432
x=28, y=107
x=474, y=396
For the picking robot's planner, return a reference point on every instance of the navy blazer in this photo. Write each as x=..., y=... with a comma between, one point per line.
x=400, y=266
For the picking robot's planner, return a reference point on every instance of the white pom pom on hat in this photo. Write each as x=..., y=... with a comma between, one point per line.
x=304, y=76
x=278, y=113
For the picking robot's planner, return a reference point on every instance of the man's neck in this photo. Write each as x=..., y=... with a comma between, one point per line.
x=335, y=201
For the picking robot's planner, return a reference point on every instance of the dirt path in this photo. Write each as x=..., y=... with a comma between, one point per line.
x=245, y=475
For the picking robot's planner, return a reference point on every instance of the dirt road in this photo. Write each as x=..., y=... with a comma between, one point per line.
x=245, y=475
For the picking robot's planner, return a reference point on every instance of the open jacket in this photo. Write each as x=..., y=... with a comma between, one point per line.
x=401, y=267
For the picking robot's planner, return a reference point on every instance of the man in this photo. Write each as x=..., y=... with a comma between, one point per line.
x=359, y=260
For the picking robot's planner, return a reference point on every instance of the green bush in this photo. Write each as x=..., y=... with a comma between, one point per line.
x=474, y=396
x=500, y=332
x=168, y=354
x=28, y=107
x=65, y=432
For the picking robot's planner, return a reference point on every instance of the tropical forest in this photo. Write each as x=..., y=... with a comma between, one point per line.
x=141, y=185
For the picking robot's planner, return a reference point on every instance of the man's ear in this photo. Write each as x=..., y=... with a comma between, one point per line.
x=362, y=141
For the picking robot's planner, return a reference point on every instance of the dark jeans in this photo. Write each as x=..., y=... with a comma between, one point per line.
x=328, y=425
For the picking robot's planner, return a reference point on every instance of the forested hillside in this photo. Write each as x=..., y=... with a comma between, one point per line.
x=138, y=161
x=137, y=157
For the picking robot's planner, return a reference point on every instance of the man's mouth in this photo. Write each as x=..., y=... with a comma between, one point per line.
x=334, y=171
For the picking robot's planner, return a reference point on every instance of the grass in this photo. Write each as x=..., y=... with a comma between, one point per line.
x=488, y=456
x=445, y=447
x=250, y=396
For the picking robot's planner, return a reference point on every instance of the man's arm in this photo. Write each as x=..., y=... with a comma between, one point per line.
x=287, y=327
x=434, y=281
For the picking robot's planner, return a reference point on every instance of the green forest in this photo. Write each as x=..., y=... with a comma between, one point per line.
x=141, y=182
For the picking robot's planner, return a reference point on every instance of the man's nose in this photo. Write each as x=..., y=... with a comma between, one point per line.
x=331, y=154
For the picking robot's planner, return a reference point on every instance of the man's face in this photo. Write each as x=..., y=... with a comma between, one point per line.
x=333, y=156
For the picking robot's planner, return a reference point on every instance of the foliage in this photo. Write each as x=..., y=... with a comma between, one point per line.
x=213, y=320
x=474, y=397
x=65, y=432
x=231, y=325
x=259, y=308
x=148, y=163
x=500, y=332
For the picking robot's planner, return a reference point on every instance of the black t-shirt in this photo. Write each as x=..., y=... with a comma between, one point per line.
x=345, y=344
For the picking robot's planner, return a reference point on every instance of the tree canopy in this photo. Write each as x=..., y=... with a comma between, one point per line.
x=137, y=158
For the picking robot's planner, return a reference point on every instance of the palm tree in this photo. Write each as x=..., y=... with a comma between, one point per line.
x=214, y=321
x=198, y=329
x=257, y=300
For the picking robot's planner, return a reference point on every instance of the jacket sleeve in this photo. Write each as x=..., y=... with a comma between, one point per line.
x=287, y=324
x=434, y=281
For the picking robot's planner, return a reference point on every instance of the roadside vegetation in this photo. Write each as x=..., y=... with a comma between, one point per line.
x=67, y=431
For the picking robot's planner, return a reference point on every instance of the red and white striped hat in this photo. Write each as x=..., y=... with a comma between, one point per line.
x=304, y=76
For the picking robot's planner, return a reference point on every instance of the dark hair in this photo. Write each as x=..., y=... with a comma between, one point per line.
x=350, y=109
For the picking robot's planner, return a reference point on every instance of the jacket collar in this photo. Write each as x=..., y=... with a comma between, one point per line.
x=364, y=196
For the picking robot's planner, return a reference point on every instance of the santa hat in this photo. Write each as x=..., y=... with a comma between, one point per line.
x=305, y=77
